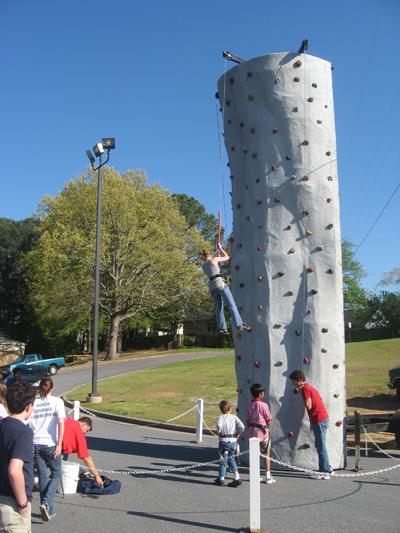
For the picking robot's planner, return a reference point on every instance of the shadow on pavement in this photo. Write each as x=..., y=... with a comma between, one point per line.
x=182, y=453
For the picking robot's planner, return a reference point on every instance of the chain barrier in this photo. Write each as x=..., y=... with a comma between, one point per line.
x=334, y=474
x=205, y=423
x=165, y=471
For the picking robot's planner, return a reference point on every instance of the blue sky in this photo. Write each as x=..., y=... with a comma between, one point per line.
x=145, y=72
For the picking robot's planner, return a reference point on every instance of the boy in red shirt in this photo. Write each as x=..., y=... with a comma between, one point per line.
x=74, y=441
x=258, y=420
x=319, y=421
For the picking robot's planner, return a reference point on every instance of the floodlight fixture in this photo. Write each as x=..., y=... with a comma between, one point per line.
x=98, y=149
x=108, y=143
x=90, y=157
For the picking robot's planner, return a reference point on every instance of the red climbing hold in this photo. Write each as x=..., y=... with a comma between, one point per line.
x=338, y=423
x=290, y=434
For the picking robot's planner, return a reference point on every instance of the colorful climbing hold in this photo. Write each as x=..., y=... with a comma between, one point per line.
x=290, y=434
x=260, y=307
x=274, y=130
x=277, y=326
x=318, y=249
x=280, y=274
x=313, y=291
x=277, y=200
x=319, y=121
x=338, y=423
x=328, y=153
x=293, y=177
x=324, y=330
x=335, y=366
x=291, y=251
x=329, y=226
x=296, y=79
x=288, y=158
x=288, y=227
x=329, y=271
x=306, y=143
x=273, y=168
x=295, y=109
x=278, y=363
x=329, y=178
x=259, y=202
x=259, y=248
x=257, y=364
x=328, y=200
x=306, y=360
x=260, y=278
x=306, y=213
x=297, y=63
x=310, y=99
x=306, y=178
x=310, y=270
x=298, y=332
x=324, y=350
x=314, y=85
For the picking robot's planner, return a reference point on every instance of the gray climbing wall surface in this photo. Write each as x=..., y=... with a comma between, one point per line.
x=286, y=258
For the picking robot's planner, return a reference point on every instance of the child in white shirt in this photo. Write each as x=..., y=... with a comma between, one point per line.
x=229, y=428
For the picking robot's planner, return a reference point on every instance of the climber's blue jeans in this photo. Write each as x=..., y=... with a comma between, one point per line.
x=225, y=296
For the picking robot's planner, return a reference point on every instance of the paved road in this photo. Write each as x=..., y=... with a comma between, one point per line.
x=189, y=502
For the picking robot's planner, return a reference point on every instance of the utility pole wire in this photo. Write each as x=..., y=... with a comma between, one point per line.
x=378, y=217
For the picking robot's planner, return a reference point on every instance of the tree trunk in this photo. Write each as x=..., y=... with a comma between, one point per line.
x=113, y=334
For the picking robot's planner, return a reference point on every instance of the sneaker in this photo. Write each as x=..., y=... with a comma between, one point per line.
x=270, y=480
x=44, y=512
x=244, y=327
x=235, y=483
x=320, y=475
x=219, y=482
x=223, y=332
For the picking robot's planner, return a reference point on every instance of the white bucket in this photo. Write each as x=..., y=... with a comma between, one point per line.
x=69, y=476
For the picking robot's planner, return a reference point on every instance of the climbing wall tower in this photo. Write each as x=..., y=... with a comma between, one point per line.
x=286, y=256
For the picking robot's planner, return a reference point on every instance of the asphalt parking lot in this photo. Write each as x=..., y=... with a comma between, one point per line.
x=189, y=502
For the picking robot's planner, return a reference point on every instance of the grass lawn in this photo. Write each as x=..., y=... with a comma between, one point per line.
x=165, y=392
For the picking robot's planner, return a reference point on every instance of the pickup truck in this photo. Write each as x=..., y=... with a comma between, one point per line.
x=35, y=360
x=394, y=380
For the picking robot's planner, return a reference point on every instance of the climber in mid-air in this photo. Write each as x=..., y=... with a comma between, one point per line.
x=220, y=290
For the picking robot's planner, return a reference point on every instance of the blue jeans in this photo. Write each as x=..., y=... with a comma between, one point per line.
x=221, y=296
x=227, y=452
x=44, y=460
x=320, y=430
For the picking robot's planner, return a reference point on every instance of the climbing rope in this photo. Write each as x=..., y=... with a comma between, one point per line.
x=222, y=195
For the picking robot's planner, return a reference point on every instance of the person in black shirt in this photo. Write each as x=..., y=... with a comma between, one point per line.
x=16, y=461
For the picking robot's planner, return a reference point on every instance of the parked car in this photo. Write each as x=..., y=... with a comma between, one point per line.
x=35, y=360
x=29, y=374
x=394, y=380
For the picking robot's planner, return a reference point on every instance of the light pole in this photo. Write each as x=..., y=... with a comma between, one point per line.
x=98, y=149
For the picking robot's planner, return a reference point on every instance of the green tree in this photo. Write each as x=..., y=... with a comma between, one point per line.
x=354, y=295
x=197, y=217
x=146, y=270
x=17, y=318
x=391, y=278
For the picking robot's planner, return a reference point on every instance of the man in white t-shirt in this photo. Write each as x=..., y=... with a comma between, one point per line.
x=47, y=424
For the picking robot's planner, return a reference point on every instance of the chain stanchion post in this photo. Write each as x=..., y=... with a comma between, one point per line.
x=76, y=410
x=357, y=440
x=254, y=461
x=199, y=420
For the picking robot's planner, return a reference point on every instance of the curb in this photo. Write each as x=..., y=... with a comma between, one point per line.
x=139, y=421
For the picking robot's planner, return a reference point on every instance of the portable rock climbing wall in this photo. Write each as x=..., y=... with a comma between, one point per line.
x=286, y=255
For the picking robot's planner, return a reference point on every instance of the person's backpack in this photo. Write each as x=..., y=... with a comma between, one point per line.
x=89, y=486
